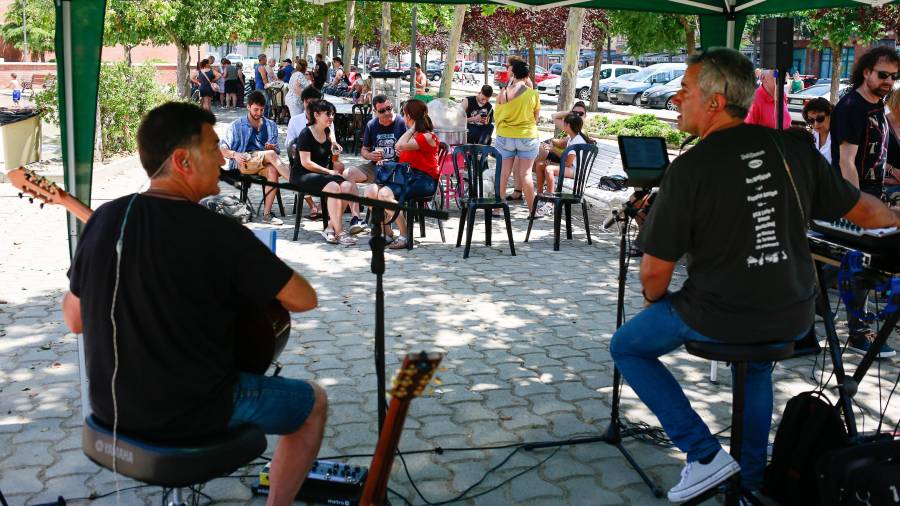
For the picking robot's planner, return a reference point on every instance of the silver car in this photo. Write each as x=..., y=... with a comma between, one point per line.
x=796, y=101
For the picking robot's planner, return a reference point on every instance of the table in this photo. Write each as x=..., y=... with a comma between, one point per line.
x=342, y=105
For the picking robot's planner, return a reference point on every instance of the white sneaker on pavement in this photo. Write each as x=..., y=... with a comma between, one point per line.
x=697, y=478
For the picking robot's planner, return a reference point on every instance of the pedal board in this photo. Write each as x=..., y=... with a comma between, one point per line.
x=328, y=482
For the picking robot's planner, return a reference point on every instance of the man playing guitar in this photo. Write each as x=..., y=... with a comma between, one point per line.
x=158, y=285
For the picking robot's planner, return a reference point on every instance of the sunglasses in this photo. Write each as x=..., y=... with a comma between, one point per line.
x=813, y=120
x=884, y=75
x=386, y=109
x=578, y=113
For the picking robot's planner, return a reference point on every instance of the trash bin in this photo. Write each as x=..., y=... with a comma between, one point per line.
x=20, y=137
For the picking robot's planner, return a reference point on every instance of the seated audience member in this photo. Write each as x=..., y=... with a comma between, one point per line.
x=551, y=149
x=319, y=169
x=250, y=145
x=480, y=116
x=166, y=367
x=548, y=172
x=418, y=147
x=379, y=137
x=339, y=83
x=296, y=125
x=817, y=114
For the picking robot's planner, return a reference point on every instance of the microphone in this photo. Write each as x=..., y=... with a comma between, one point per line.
x=612, y=219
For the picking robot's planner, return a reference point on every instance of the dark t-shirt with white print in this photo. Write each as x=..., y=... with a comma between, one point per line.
x=857, y=121
x=729, y=205
x=384, y=137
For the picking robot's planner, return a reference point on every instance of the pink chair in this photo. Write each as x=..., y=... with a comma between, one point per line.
x=448, y=174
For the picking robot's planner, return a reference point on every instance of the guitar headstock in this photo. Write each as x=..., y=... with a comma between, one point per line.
x=35, y=186
x=414, y=374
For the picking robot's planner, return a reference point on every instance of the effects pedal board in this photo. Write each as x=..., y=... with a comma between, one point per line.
x=328, y=482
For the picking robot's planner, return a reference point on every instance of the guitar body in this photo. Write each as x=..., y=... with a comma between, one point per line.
x=262, y=331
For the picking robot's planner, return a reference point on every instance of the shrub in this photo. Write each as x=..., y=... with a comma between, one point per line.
x=645, y=125
x=125, y=94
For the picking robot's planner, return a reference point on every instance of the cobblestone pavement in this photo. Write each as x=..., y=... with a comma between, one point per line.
x=526, y=359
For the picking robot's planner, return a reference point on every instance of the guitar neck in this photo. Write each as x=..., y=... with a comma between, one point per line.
x=375, y=489
x=74, y=206
x=46, y=191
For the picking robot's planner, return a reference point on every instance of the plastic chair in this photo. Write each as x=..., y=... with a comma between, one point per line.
x=738, y=355
x=584, y=162
x=362, y=113
x=476, y=159
x=172, y=466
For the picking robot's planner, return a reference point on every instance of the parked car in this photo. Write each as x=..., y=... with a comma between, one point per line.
x=473, y=66
x=501, y=77
x=827, y=80
x=603, y=88
x=495, y=66
x=434, y=71
x=660, y=96
x=583, y=79
x=630, y=92
x=796, y=101
x=556, y=69
x=234, y=57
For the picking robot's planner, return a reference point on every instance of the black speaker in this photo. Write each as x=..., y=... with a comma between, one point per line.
x=776, y=43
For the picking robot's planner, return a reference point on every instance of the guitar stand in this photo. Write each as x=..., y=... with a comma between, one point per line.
x=377, y=244
x=613, y=435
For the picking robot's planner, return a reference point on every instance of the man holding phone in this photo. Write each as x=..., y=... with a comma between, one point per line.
x=480, y=115
x=251, y=146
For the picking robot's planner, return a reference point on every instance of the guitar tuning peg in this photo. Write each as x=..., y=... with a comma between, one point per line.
x=20, y=195
x=31, y=200
x=42, y=205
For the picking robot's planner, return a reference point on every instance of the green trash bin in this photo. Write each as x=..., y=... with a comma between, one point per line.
x=20, y=137
x=424, y=98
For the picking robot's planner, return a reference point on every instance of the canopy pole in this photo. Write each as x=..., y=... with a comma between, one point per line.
x=729, y=24
x=412, y=57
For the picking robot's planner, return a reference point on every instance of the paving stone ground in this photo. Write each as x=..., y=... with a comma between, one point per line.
x=525, y=340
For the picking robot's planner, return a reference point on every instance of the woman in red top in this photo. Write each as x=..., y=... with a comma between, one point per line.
x=417, y=147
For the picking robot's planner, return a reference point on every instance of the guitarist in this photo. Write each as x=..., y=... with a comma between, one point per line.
x=164, y=367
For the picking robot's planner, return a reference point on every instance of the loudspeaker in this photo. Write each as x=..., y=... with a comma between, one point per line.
x=776, y=43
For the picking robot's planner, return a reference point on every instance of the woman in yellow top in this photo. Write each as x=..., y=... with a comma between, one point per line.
x=516, y=114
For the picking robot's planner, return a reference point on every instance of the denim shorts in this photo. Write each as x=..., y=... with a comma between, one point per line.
x=276, y=405
x=526, y=149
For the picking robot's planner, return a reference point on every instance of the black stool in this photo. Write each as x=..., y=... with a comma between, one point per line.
x=172, y=466
x=739, y=355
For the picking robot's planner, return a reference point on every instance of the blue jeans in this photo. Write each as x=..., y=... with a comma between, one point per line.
x=276, y=404
x=659, y=330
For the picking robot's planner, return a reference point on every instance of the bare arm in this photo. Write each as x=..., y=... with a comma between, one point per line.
x=848, y=163
x=869, y=212
x=308, y=164
x=71, y=306
x=407, y=141
x=656, y=274
x=297, y=295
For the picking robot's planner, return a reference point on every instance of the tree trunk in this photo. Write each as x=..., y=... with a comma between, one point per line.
x=127, y=50
x=595, y=77
x=348, y=31
x=182, y=70
x=301, y=50
x=487, y=69
x=836, y=50
x=574, y=25
x=459, y=16
x=356, y=56
x=325, y=39
x=285, y=48
x=690, y=35
x=531, y=63
x=383, y=55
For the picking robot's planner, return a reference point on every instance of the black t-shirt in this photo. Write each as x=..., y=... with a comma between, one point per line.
x=857, y=121
x=473, y=109
x=185, y=275
x=729, y=205
x=319, y=153
x=321, y=74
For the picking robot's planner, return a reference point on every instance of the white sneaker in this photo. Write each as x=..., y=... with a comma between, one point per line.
x=697, y=478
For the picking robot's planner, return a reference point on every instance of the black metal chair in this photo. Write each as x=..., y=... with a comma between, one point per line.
x=585, y=154
x=278, y=109
x=738, y=355
x=168, y=465
x=362, y=113
x=476, y=160
x=243, y=183
x=300, y=195
x=435, y=201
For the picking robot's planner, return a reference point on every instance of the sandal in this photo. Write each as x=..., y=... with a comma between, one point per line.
x=314, y=215
x=517, y=193
x=330, y=237
x=398, y=243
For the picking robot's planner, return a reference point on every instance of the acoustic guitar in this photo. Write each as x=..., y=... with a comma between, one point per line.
x=414, y=375
x=262, y=331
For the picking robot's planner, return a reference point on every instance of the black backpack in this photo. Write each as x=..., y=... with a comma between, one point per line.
x=810, y=427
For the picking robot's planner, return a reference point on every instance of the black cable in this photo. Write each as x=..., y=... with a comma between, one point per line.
x=3, y=500
x=887, y=403
x=94, y=497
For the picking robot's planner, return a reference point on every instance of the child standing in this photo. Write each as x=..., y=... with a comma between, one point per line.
x=16, y=89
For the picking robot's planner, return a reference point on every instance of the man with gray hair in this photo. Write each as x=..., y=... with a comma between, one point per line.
x=763, y=111
x=734, y=210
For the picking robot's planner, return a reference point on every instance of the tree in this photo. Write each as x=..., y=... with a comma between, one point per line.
x=131, y=23
x=596, y=30
x=459, y=16
x=835, y=28
x=37, y=35
x=654, y=33
x=574, y=33
x=527, y=29
x=385, y=34
x=482, y=30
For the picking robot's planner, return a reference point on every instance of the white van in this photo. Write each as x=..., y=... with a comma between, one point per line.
x=583, y=79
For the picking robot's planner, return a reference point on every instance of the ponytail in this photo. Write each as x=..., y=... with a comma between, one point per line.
x=418, y=111
x=576, y=123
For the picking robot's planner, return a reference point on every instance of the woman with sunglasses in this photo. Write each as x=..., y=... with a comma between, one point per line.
x=817, y=114
x=320, y=170
x=418, y=147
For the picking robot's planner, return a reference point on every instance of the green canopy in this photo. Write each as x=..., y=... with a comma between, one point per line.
x=79, y=39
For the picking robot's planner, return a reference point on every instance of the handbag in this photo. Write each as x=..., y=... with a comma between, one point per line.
x=393, y=172
x=214, y=86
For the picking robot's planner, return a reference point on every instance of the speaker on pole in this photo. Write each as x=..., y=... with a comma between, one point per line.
x=776, y=40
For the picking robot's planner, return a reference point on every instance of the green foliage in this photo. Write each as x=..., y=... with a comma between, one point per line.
x=126, y=94
x=41, y=25
x=131, y=23
x=836, y=28
x=645, y=125
x=647, y=32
